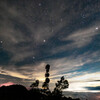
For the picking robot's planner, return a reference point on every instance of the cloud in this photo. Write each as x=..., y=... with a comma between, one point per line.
x=77, y=39
x=12, y=73
x=96, y=80
x=67, y=66
x=23, y=29
x=82, y=37
x=83, y=95
x=73, y=63
x=22, y=37
x=79, y=82
x=93, y=88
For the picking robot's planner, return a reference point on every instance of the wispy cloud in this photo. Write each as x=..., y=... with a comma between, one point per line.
x=78, y=39
x=79, y=83
x=83, y=95
x=82, y=37
x=12, y=73
x=93, y=88
x=67, y=67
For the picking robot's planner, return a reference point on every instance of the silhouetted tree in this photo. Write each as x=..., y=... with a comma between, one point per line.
x=62, y=84
x=35, y=84
x=47, y=80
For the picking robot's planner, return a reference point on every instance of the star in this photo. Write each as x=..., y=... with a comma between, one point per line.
x=33, y=57
x=83, y=16
x=44, y=40
x=52, y=30
x=39, y=4
x=1, y=41
x=96, y=28
x=61, y=19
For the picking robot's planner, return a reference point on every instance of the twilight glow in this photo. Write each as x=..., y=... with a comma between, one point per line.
x=6, y=84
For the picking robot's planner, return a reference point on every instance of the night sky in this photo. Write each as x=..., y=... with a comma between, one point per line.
x=62, y=33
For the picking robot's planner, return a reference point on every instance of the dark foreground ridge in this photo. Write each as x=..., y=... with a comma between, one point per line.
x=19, y=92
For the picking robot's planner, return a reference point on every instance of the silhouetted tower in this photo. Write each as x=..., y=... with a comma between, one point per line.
x=47, y=80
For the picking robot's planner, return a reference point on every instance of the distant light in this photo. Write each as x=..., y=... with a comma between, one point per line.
x=96, y=28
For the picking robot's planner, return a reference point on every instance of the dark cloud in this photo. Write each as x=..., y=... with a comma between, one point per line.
x=26, y=61
x=83, y=95
x=94, y=81
x=97, y=80
x=8, y=78
x=5, y=57
x=93, y=88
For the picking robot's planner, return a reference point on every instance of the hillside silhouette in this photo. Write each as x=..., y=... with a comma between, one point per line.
x=19, y=92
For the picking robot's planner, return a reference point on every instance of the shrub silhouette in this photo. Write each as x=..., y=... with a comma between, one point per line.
x=62, y=84
x=35, y=84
